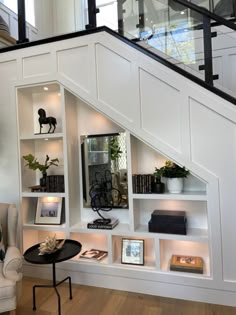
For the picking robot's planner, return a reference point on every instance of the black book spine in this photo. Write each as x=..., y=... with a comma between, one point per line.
x=96, y=226
x=133, y=184
x=60, y=183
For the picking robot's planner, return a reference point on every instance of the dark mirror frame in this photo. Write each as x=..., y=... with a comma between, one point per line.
x=101, y=175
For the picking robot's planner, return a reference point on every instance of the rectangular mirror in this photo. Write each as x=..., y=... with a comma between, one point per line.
x=104, y=166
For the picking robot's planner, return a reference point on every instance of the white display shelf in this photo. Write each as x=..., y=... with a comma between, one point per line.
x=148, y=264
x=42, y=194
x=104, y=261
x=186, y=195
x=42, y=136
x=166, y=269
x=194, y=234
x=48, y=227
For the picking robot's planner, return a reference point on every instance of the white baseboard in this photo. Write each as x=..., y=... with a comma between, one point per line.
x=112, y=280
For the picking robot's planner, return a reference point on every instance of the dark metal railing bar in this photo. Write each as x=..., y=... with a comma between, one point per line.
x=141, y=22
x=207, y=13
x=234, y=8
x=120, y=14
x=21, y=22
x=92, y=11
x=211, y=5
x=208, y=64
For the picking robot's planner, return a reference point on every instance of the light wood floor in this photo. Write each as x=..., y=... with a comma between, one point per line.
x=96, y=301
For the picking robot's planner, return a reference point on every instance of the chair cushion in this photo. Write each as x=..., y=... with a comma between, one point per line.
x=7, y=287
x=2, y=246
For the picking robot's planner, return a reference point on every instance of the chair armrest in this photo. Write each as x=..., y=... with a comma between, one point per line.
x=12, y=264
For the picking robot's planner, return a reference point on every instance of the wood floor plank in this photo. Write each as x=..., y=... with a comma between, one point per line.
x=89, y=300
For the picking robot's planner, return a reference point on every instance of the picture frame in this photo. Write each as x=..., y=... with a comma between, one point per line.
x=49, y=210
x=132, y=251
x=184, y=263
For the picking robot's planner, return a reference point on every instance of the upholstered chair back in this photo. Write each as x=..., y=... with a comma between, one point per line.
x=11, y=260
x=8, y=219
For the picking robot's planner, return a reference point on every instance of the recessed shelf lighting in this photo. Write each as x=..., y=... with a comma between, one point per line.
x=181, y=12
x=45, y=88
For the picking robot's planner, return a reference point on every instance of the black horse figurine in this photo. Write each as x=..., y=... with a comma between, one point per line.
x=43, y=119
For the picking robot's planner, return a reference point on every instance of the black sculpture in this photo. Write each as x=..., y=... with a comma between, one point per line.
x=102, y=195
x=43, y=119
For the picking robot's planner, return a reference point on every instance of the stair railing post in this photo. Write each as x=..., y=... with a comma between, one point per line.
x=92, y=11
x=211, y=5
x=234, y=8
x=21, y=22
x=120, y=15
x=207, y=42
x=141, y=22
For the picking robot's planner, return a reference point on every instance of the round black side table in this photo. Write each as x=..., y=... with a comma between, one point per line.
x=70, y=249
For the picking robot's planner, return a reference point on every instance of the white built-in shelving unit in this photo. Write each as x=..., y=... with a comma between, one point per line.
x=74, y=119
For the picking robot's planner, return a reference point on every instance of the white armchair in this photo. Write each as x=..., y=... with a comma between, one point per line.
x=10, y=277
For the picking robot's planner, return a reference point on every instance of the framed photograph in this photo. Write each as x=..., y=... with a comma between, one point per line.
x=132, y=251
x=186, y=263
x=49, y=210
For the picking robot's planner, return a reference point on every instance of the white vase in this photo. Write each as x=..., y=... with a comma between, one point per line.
x=175, y=185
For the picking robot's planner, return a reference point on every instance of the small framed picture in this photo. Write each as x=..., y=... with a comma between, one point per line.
x=49, y=210
x=132, y=251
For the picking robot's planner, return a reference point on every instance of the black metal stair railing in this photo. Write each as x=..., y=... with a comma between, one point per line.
x=140, y=22
x=207, y=18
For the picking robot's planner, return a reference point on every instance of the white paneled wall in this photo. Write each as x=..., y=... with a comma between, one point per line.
x=170, y=113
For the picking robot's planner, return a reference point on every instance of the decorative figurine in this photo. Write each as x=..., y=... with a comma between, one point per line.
x=50, y=245
x=103, y=195
x=43, y=119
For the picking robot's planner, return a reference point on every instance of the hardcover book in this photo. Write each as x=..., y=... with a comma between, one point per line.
x=55, y=183
x=103, y=226
x=94, y=254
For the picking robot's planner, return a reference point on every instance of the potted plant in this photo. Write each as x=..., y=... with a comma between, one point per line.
x=34, y=164
x=175, y=175
x=115, y=152
x=157, y=186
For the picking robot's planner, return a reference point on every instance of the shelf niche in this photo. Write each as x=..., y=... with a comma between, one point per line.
x=144, y=161
x=173, y=247
x=30, y=99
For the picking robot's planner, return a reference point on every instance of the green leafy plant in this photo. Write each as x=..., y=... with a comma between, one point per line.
x=34, y=164
x=115, y=150
x=172, y=170
x=157, y=175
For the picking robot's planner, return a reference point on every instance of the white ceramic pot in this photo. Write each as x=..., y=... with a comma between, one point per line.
x=175, y=185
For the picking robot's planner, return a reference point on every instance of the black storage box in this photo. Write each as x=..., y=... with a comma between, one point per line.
x=165, y=221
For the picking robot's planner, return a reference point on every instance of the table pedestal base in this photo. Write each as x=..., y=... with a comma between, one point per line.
x=54, y=285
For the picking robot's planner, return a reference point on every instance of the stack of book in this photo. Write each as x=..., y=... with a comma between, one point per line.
x=101, y=225
x=142, y=183
x=55, y=183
